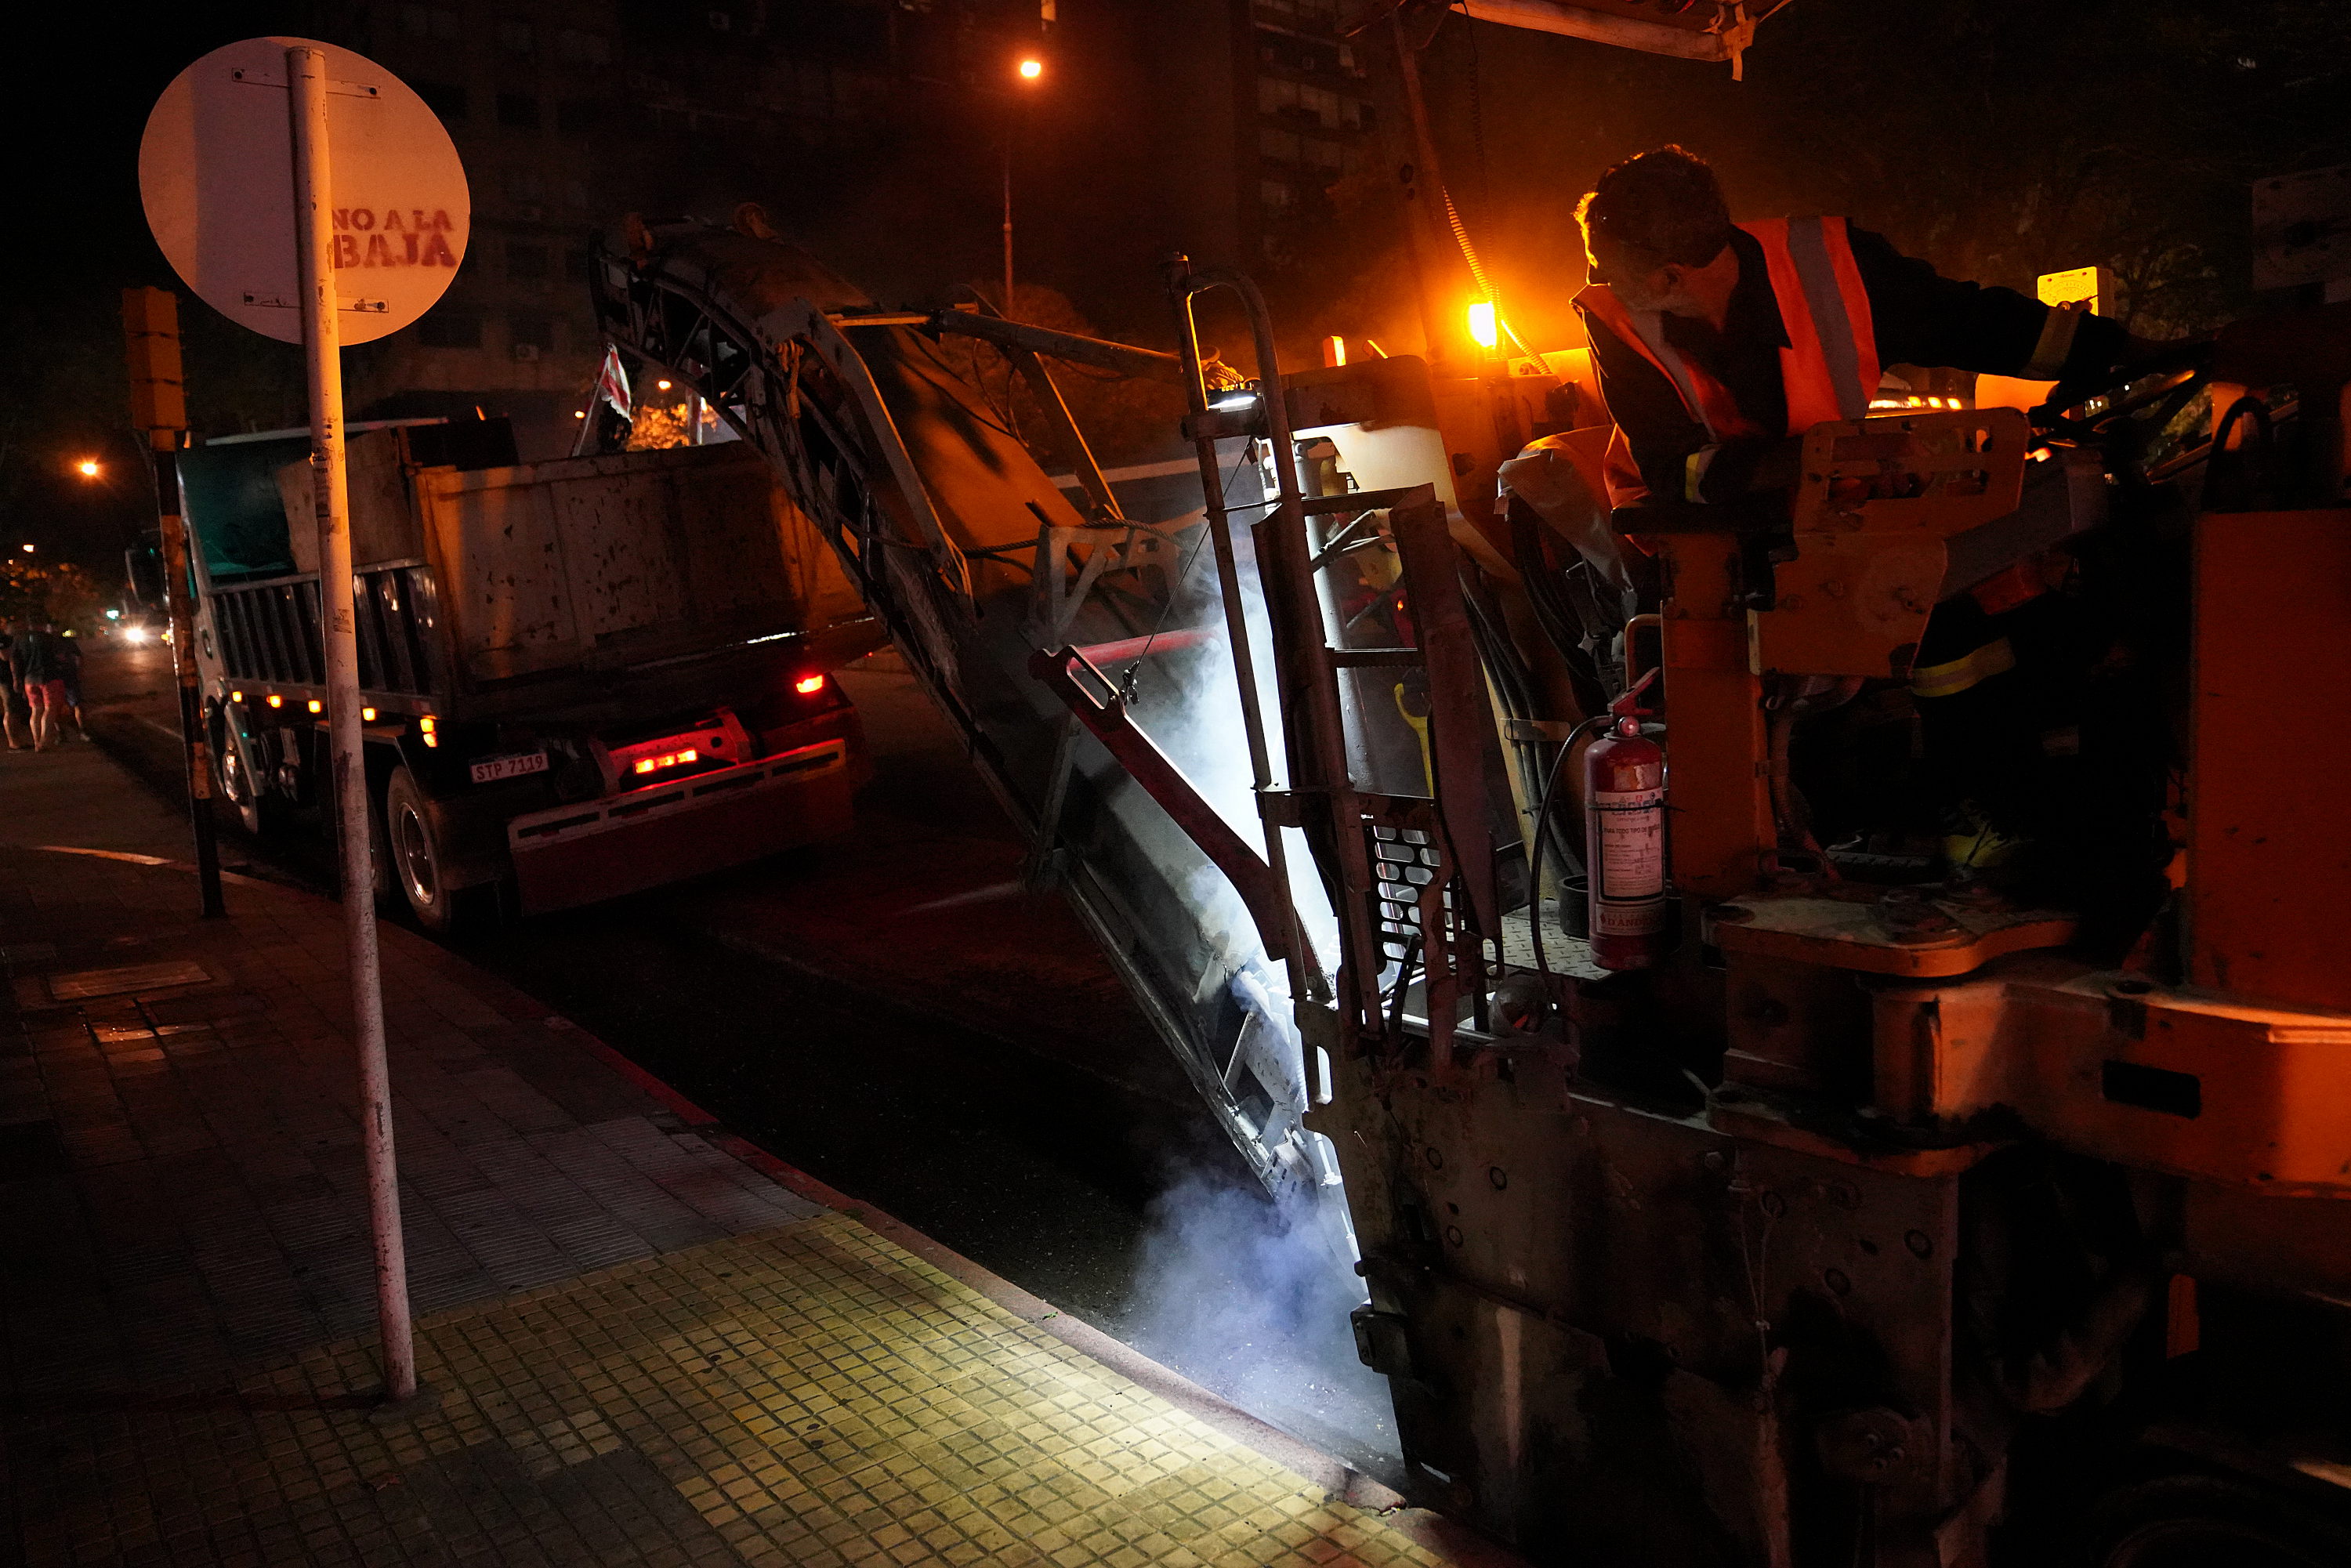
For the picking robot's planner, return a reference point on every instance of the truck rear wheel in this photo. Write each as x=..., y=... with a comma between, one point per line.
x=232, y=777
x=412, y=833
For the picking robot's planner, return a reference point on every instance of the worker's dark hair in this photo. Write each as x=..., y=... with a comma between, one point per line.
x=1665, y=203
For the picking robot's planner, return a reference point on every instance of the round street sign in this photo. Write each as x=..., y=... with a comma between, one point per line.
x=216, y=172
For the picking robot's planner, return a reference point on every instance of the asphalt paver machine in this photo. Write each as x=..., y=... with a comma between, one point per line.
x=1897, y=1199
x=1936, y=1182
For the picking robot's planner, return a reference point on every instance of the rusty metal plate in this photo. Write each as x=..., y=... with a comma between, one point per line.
x=1848, y=935
x=86, y=983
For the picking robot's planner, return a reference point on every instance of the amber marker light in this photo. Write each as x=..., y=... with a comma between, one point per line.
x=367, y=716
x=276, y=701
x=1030, y=69
x=236, y=696
x=318, y=706
x=426, y=727
x=1482, y=329
x=808, y=685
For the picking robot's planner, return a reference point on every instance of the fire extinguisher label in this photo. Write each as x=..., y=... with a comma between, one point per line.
x=1629, y=830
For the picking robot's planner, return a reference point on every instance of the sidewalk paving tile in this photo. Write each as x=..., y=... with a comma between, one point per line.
x=644, y=1351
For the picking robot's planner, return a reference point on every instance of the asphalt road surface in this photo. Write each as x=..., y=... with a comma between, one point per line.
x=895, y=1015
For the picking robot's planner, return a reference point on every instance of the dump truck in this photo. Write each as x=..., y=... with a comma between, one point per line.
x=582, y=678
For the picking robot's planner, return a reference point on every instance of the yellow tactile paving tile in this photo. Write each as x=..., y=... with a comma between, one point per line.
x=811, y=1394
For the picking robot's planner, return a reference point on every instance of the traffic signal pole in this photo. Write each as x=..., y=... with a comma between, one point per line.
x=306, y=75
x=151, y=329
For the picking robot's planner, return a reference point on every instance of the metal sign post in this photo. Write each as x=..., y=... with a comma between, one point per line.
x=373, y=237
x=306, y=74
x=150, y=328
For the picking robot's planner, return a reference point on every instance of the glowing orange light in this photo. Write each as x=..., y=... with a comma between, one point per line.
x=1031, y=69
x=668, y=759
x=236, y=696
x=1334, y=353
x=426, y=727
x=1482, y=328
x=808, y=685
x=87, y=467
x=661, y=386
x=318, y=706
x=367, y=716
x=277, y=701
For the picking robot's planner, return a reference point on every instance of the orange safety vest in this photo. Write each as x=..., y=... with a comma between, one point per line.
x=1829, y=368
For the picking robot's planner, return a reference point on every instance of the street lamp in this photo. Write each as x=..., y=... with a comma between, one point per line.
x=88, y=468
x=27, y=549
x=1030, y=69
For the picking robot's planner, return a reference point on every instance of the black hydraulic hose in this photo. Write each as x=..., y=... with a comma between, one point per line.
x=1543, y=833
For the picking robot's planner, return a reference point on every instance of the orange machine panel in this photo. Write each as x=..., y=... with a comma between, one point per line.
x=2269, y=792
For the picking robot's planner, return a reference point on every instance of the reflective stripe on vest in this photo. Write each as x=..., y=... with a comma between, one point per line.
x=1830, y=365
x=1950, y=678
x=1829, y=368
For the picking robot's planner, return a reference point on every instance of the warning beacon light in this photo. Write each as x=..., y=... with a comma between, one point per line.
x=1481, y=324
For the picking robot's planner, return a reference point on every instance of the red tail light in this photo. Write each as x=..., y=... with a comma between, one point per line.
x=668, y=759
x=808, y=685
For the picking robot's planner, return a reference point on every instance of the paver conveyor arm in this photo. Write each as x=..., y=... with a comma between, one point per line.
x=977, y=561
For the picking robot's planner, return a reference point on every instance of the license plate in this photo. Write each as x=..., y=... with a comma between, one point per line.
x=490, y=769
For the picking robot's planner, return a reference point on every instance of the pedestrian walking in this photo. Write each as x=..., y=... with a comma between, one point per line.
x=39, y=667
x=14, y=712
x=67, y=648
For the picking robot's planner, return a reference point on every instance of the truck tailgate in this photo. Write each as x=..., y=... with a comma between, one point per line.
x=665, y=832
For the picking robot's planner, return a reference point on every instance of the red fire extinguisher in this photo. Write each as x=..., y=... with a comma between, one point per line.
x=1624, y=838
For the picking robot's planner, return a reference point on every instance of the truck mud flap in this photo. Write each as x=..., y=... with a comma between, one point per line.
x=596, y=850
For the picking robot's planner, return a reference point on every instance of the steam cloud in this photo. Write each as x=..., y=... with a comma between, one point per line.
x=1249, y=1296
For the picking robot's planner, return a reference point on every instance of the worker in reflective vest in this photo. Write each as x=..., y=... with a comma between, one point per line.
x=1716, y=342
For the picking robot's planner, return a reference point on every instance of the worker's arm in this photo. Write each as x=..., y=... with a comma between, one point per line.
x=1925, y=319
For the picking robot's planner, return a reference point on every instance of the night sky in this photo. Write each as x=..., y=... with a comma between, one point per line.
x=1997, y=138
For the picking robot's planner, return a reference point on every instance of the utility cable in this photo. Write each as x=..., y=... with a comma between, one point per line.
x=1417, y=103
